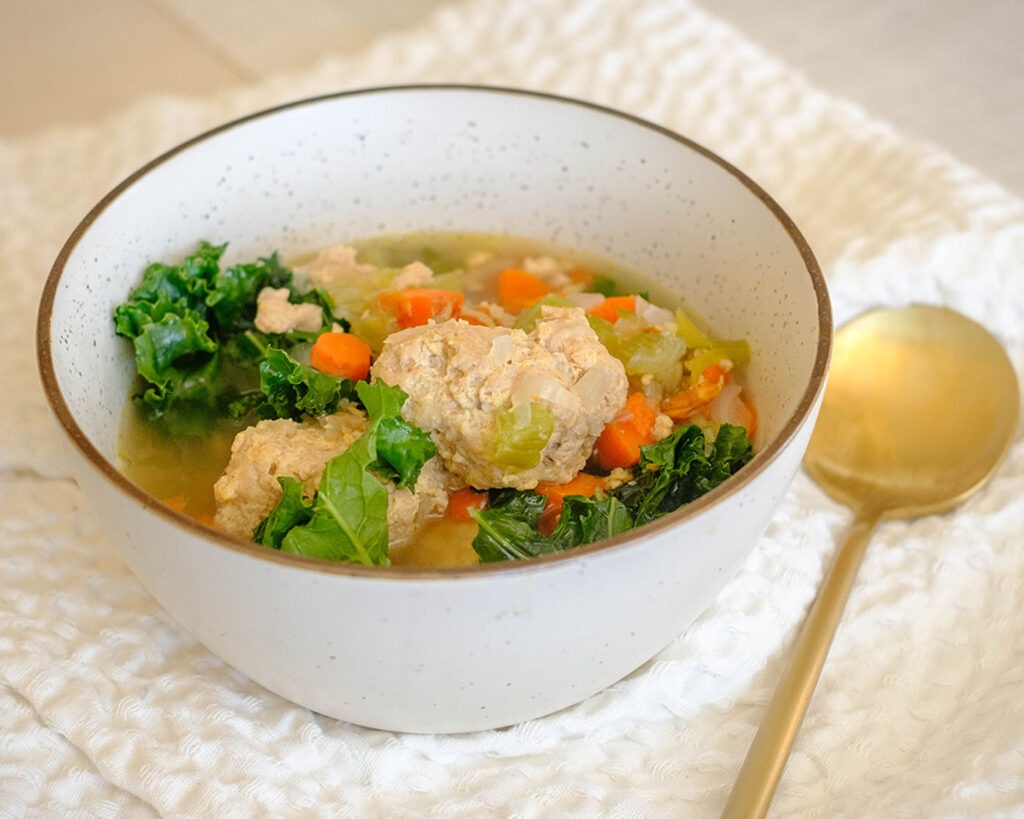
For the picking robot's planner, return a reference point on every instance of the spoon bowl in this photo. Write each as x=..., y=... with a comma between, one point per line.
x=920, y=408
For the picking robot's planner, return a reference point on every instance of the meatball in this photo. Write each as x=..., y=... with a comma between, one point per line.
x=461, y=377
x=275, y=314
x=249, y=488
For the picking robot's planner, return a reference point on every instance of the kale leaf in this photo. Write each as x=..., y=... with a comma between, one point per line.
x=187, y=321
x=291, y=510
x=681, y=468
x=508, y=528
x=402, y=449
x=671, y=473
x=291, y=388
x=347, y=517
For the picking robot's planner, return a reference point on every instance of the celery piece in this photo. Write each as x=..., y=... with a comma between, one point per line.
x=658, y=355
x=738, y=352
x=520, y=435
x=690, y=332
x=643, y=353
x=528, y=319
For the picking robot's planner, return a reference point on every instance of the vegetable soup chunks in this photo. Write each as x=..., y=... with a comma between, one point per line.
x=427, y=399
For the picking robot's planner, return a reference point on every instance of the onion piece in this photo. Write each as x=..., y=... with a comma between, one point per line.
x=595, y=385
x=502, y=348
x=535, y=386
x=722, y=408
x=588, y=301
x=651, y=315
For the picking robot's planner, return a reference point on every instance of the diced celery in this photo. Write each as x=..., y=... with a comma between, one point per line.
x=690, y=332
x=643, y=353
x=738, y=352
x=658, y=355
x=452, y=280
x=354, y=294
x=373, y=326
x=528, y=319
x=605, y=331
x=520, y=435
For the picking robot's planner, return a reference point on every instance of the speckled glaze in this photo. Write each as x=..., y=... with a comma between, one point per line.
x=464, y=649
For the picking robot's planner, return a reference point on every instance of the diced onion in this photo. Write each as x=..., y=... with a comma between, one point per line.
x=651, y=315
x=723, y=408
x=502, y=348
x=588, y=301
x=595, y=385
x=534, y=386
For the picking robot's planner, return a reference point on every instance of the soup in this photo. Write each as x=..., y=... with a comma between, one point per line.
x=429, y=399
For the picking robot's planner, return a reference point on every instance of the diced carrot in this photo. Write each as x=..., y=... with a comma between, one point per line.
x=686, y=402
x=417, y=305
x=462, y=500
x=518, y=289
x=610, y=307
x=619, y=443
x=580, y=275
x=342, y=355
x=716, y=374
x=177, y=503
x=583, y=484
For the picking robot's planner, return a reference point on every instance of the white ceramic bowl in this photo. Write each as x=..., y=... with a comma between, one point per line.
x=463, y=649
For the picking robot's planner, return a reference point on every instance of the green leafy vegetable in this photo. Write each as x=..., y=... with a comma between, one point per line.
x=292, y=510
x=587, y=520
x=347, y=516
x=507, y=529
x=292, y=388
x=681, y=468
x=187, y=321
x=605, y=285
x=671, y=473
x=233, y=292
x=349, y=513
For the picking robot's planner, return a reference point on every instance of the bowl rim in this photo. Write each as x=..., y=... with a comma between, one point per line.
x=762, y=460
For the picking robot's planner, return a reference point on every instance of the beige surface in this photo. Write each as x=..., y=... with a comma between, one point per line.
x=947, y=71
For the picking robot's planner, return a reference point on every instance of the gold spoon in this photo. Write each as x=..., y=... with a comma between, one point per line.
x=920, y=407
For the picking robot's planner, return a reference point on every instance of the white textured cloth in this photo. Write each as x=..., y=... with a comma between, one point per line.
x=108, y=708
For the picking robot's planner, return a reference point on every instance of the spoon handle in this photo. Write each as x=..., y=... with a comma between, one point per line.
x=755, y=786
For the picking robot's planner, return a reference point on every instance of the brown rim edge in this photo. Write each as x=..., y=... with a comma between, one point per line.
x=762, y=460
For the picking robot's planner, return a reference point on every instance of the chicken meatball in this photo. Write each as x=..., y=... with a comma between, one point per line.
x=249, y=488
x=474, y=387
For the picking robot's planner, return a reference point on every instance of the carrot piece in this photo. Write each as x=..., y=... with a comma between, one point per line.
x=417, y=305
x=518, y=289
x=342, y=355
x=610, y=307
x=177, y=503
x=583, y=484
x=619, y=443
x=580, y=275
x=686, y=402
x=716, y=374
x=462, y=500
